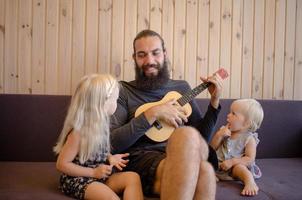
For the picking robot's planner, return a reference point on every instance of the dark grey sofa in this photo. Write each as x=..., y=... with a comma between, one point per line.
x=30, y=124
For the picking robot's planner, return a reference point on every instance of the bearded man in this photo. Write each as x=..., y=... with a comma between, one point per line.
x=178, y=168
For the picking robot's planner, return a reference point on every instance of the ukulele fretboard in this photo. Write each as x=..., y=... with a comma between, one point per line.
x=187, y=97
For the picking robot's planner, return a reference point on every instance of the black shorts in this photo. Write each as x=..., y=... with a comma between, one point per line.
x=145, y=162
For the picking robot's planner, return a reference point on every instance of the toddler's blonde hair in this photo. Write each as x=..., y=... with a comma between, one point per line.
x=253, y=112
x=86, y=115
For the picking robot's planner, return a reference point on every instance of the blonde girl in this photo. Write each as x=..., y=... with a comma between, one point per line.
x=236, y=143
x=83, y=147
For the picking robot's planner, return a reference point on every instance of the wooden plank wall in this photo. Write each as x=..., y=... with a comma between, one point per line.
x=46, y=46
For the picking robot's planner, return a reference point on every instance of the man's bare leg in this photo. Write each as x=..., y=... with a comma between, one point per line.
x=181, y=166
x=206, y=185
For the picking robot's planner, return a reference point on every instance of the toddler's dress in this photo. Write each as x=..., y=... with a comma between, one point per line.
x=235, y=148
x=76, y=186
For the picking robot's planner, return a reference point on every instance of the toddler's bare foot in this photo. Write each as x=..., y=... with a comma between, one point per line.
x=217, y=179
x=250, y=189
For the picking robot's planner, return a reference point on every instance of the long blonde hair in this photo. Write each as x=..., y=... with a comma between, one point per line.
x=86, y=115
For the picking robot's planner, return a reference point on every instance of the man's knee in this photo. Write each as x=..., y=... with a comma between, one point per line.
x=186, y=136
x=190, y=137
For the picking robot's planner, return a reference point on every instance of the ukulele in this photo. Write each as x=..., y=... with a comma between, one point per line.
x=160, y=130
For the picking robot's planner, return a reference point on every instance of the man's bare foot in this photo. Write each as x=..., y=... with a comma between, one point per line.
x=250, y=189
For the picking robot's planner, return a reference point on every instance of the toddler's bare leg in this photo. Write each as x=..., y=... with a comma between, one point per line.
x=250, y=186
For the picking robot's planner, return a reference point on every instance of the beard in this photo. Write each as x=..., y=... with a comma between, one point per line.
x=152, y=82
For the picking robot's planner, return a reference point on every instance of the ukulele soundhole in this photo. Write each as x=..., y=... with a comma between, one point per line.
x=157, y=125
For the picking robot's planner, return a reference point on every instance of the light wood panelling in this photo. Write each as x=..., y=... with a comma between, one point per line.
x=247, y=51
x=143, y=16
x=236, y=62
x=130, y=32
x=51, y=48
x=226, y=41
x=290, y=49
x=2, y=31
x=214, y=43
x=269, y=49
x=179, y=40
x=279, y=50
x=156, y=15
x=191, y=42
x=38, y=47
x=64, y=49
x=298, y=63
x=203, y=41
x=46, y=46
x=117, y=50
x=104, y=48
x=167, y=28
x=78, y=44
x=91, y=49
x=257, y=75
x=11, y=46
x=24, y=48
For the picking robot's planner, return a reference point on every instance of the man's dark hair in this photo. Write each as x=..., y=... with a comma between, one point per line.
x=148, y=33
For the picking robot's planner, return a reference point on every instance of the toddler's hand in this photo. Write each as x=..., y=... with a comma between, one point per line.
x=226, y=165
x=224, y=131
x=118, y=160
x=102, y=171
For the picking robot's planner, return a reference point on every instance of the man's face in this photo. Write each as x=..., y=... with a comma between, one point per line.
x=149, y=55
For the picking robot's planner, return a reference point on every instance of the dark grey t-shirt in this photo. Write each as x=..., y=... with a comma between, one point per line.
x=128, y=132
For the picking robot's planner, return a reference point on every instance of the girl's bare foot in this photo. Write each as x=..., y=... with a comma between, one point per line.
x=250, y=189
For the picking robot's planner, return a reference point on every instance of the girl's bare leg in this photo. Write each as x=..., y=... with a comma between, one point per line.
x=127, y=183
x=97, y=190
x=250, y=186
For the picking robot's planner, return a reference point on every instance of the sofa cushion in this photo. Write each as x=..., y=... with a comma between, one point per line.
x=29, y=180
x=39, y=180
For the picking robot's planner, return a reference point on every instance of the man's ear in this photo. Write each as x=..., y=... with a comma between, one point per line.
x=133, y=56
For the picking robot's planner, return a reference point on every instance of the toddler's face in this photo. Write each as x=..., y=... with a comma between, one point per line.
x=111, y=102
x=236, y=120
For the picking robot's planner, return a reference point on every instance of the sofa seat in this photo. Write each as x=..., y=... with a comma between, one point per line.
x=39, y=180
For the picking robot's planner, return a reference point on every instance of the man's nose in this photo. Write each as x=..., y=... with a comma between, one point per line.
x=149, y=59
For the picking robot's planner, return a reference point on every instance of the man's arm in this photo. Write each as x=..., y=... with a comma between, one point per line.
x=125, y=132
x=205, y=124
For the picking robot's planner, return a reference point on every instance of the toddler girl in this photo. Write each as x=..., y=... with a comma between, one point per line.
x=236, y=143
x=83, y=147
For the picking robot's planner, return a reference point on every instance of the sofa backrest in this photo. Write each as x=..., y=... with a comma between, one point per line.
x=281, y=131
x=31, y=124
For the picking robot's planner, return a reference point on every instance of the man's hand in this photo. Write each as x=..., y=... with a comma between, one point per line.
x=215, y=88
x=118, y=160
x=170, y=112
